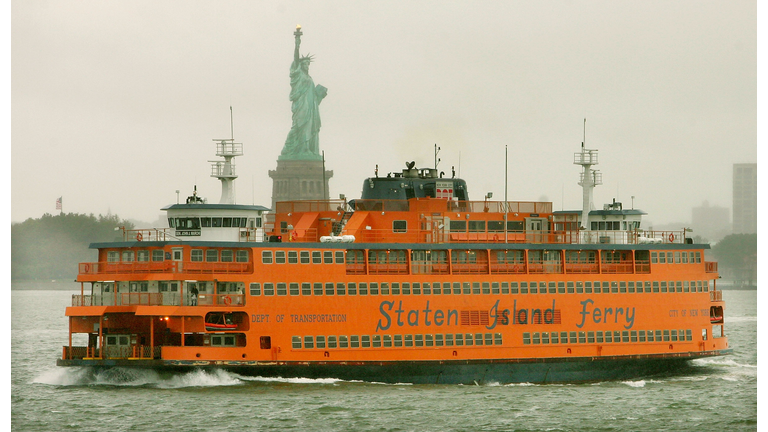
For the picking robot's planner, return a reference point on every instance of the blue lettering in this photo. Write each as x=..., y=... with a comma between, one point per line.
x=439, y=316
x=386, y=315
x=630, y=319
x=584, y=312
x=427, y=310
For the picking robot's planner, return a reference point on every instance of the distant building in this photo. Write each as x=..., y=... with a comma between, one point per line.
x=711, y=222
x=745, y=198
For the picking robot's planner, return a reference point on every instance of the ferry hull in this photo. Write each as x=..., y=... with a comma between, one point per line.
x=507, y=371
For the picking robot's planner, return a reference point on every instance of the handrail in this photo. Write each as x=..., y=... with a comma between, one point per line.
x=145, y=267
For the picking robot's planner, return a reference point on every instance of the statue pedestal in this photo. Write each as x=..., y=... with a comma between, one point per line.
x=299, y=180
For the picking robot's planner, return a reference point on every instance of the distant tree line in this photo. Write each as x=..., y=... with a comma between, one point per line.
x=52, y=246
x=736, y=256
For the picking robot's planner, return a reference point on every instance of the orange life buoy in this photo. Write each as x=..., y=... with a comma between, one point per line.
x=671, y=237
x=87, y=268
x=139, y=236
x=227, y=300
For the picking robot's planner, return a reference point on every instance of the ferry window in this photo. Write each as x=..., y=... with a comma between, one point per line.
x=582, y=337
x=664, y=287
x=241, y=255
x=226, y=255
x=171, y=223
x=309, y=342
x=497, y=339
x=523, y=287
x=428, y=288
x=684, y=258
x=417, y=288
x=446, y=288
x=343, y=342
x=352, y=288
x=205, y=222
x=398, y=340
x=196, y=255
x=339, y=257
x=341, y=288
x=622, y=287
x=406, y=288
x=608, y=337
x=375, y=342
x=142, y=255
x=475, y=287
x=677, y=257
x=526, y=338
x=655, y=286
x=460, y=339
x=669, y=258
x=698, y=257
x=395, y=287
x=306, y=288
x=679, y=286
x=468, y=341
x=354, y=341
x=320, y=341
x=688, y=335
x=580, y=287
x=666, y=335
x=495, y=226
x=438, y=340
x=399, y=226
x=476, y=226
x=363, y=288
x=374, y=288
x=588, y=287
x=633, y=336
x=654, y=258
x=631, y=287
x=294, y=288
x=409, y=340
x=494, y=287
x=466, y=288
x=226, y=222
x=624, y=336
x=429, y=340
x=327, y=257
x=266, y=257
x=662, y=258
x=329, y=288
x=515, y=226
x=674, y=335
x=561, y=287
x=573, y=337
x=605, y=287
x=157, y=255
x=114, y=256
x=449, y=340
x=279, y=257
x=316, y=257
x=304, y=257
x=269, y=289
x=293, y=257
x=318, y=289
x=384, y=288
x=591, y=337
x=460, y=226
x=647, y=286
x=295, y=342
x=686, y=287
x=641, y=336
x=127, y=256
x=212, y=255
x=534, y=288
x=216, y=222
x=457, y=288
x=488, y=339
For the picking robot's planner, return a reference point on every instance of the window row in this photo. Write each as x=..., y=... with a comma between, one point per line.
x=679, y=257
x=616, y=336
x=469, y=288
x=183, y=223
x=397, y=341
x=303, y=257
x=196, y=255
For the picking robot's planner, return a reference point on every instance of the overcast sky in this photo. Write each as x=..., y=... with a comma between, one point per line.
x=115, y=103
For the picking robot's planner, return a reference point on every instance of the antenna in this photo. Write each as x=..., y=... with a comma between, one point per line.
x=231, y=123
x=584, y=140
x=437, y=160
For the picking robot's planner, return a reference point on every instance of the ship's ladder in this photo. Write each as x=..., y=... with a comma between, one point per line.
x=338, y=227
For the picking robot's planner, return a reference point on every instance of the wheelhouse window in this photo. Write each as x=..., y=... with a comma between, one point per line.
x=266, y=257
x=241, y=255
x=158, y=255
x=142, y=255
x=113, y=256
x=476, y=226
x=226, y=255
x=128, y=256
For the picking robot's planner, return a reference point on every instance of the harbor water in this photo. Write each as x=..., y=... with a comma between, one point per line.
x=710, y=395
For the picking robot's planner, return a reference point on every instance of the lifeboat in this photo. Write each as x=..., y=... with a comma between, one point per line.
x=219, y=322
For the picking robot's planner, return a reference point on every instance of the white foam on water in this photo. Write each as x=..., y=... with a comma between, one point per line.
x=292, y=380
x=201, y=378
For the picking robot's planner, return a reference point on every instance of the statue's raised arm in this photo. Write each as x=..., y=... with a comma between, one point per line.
x=297, y=35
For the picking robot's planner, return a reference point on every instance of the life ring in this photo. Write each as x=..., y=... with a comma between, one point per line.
x=87, y=268
x=227, y=300
x=139, y=236
x=495, y=237
x=671, y=237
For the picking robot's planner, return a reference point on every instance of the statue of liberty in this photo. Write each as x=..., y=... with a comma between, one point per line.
x=303, y=141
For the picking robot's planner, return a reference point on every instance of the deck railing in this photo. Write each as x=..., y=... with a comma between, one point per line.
x=715, y=296
x=145, y=267
x=157, y=299
x=710, y=266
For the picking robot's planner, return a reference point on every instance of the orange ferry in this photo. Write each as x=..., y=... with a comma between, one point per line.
x=411, y=283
